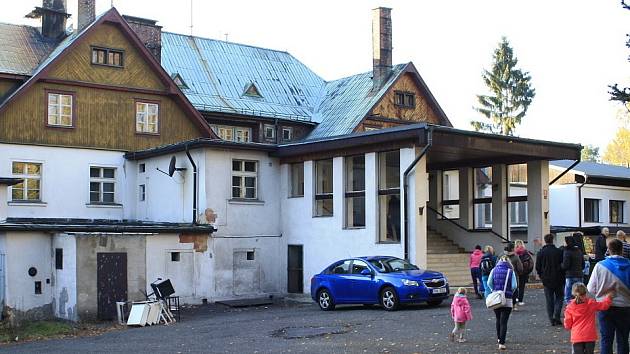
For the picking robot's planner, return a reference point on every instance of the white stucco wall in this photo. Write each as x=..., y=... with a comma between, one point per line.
x=563, y=205
x=324, y=239
x=24, y=250
x=65, y=181
x=65, y=280
x=606, y=194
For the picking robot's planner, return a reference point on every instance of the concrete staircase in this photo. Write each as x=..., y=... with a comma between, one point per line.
x=447, y=257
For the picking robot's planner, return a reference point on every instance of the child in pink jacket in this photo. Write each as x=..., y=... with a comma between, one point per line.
x=461, y=313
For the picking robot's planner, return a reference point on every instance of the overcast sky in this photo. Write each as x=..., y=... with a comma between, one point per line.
x=572, y=49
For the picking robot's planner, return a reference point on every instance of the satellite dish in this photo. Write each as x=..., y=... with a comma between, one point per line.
x=171, y=166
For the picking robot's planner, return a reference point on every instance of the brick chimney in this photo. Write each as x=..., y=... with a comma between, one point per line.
x=86, y=13
x=149, y=33
x=382, y=46
x=54, y=15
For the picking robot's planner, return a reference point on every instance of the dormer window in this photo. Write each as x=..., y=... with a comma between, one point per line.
x=405, y=99
x=107, y=57
x=179, y=81
x=252, y=91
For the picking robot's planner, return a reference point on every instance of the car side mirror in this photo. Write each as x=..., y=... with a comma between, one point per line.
x=366, y=272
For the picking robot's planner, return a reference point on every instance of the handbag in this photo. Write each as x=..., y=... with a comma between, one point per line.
x=497, y=299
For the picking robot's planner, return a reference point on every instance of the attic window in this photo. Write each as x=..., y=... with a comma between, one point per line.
x=107, y=57
x=252, y=91
x=405, y=99
x=179, y=81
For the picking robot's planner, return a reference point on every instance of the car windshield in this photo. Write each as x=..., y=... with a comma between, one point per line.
x=389, y=265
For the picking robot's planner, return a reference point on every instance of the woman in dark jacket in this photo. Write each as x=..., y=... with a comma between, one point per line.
x=573, y=266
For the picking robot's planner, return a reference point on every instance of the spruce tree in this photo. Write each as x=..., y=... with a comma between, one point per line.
x=511, y=93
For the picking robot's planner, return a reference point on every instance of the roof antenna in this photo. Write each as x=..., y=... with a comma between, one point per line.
x=191, y=18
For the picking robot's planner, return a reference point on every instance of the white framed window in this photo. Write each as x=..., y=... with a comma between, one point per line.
x=59, y=112
x=354, y=191
x=147, y=117
x=230, y=133
x=287, y=133
x=591, y=210
x=296, y=178
x=30, y=188
x=244, y=179
x=243, y=135
x=389, y=196
x=323, y=188
x=102, y=185
x=270, y=131
x=141, y=168
x=142, y=192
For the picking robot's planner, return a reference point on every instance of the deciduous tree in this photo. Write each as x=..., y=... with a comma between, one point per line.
x=618, y=150
x=590, y=153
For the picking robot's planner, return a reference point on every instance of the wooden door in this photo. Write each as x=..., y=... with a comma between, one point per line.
x=111, y=280
x=295, y=269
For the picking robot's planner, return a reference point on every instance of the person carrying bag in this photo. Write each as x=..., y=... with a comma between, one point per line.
x=502, y=282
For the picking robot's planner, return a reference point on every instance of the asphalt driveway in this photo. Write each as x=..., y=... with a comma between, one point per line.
x=303, y=328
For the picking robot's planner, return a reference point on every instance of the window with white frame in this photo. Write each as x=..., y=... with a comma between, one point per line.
x=482, y=201
x=59, y=109
x=287, y=133
x=269, y=132
x=230, y=133
x=450, y=194
x=296, y=177
x=517, y=194
x=244, y=179
x=102, y=185
x=389, y=196
x=147, y=117
x=323, y=188
x=355, y=191
x=30, y=187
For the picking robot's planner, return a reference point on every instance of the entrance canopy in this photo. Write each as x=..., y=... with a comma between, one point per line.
x=449, y=147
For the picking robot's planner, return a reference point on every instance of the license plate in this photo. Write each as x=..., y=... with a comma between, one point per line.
x=439, y=291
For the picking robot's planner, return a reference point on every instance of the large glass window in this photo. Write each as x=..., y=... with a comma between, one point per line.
x=616, y=211
x=30, y=187
x=482, y=201
x=389, y=196
x=324, y=188
x=102, y=184
x=450, y=194
x=591, y=210
x=296, y=178
x=517, y=194
x=244, y=179
x=355, y=191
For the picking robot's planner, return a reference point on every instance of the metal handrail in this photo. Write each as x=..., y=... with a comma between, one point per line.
x=444, y=217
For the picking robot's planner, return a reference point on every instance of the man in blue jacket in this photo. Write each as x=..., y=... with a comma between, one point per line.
x=613, y=273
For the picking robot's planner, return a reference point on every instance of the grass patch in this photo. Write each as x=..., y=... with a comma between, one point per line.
x=35, y=330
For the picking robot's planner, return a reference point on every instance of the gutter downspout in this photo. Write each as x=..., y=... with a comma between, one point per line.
x=413, y=164
x=580, y=200
x=194, y=197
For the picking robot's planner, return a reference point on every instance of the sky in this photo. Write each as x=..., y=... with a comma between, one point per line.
x=572, y=49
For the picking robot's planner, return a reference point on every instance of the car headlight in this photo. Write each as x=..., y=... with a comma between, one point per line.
x=408, y=282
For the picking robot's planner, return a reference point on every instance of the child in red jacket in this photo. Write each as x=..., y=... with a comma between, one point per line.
x=461, y=313
x=579, y=317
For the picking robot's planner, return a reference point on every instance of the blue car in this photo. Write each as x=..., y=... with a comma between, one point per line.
x=388, y=281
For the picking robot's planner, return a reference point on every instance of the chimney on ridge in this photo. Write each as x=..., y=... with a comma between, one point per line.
x=382, y=46
x=86, y=13
x=54, y=15
x=149, y=33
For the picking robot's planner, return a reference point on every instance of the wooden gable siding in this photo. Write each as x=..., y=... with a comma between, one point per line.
x=77, y=65
x=7, y=86
x=103, y=119
x=387, y=114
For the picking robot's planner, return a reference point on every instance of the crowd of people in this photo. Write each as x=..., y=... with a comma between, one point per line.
x=601, y=293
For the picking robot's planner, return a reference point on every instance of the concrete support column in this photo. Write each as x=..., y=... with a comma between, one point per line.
x=419, y=212
x=500, y=220
x=537, y=200
x=4, y=194
x=466, y=195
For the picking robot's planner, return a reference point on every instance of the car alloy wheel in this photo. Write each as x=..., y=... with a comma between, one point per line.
x=325, y=300
x=389, y=299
